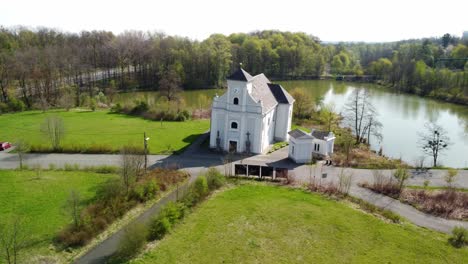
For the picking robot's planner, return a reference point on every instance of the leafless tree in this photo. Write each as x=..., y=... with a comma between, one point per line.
x=132, y=160
x=360, y=115
x=344, y=181
x=72, y=206
x=21, y=147
x=433, y=141
x=12, y=240
x=53, y=128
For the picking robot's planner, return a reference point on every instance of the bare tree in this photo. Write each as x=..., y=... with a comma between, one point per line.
x=54, y=129
x=434, y=140
x=344, y=182
x=72, y=205
x=12, y=240
x=132, y=162
x=360, y=115
x=21, y=147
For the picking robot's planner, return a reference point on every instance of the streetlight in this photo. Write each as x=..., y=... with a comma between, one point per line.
x=145, y=142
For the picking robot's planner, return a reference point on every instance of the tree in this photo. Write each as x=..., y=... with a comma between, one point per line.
x=360, y=115
x=132, y=161
x=72, y=205
x=21, y=147
x=169, y=85
x=303, y=106
x=328, y=117
x=434, y=141
x=54, y=129
x=401, y=174
x=450, y=177
x=12, y=240
x=446, y=38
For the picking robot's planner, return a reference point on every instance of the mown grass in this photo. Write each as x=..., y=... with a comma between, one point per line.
x=39, y=199
x=101, y=131
x=257, y=223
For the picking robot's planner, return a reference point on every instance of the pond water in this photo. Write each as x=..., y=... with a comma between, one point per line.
x=403, y=116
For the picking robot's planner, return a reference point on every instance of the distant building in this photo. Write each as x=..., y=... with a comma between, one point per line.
x=303, y=146
x=251, y=115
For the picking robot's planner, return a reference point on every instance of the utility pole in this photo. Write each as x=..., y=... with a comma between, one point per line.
x=145, y=143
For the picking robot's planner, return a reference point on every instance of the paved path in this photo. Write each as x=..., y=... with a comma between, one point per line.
x=196, y=162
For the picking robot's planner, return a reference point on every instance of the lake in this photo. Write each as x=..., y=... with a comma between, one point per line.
x=402, y=116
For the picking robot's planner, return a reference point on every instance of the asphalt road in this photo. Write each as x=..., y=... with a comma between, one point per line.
x=195, y=163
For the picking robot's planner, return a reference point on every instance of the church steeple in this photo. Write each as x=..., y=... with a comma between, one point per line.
x=240, y=75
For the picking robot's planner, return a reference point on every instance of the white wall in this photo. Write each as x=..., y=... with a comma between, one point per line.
x=283, y=122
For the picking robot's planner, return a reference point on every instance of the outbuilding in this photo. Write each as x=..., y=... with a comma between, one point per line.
x=304, y=146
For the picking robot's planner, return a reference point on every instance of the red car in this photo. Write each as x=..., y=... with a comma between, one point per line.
x=4, y=145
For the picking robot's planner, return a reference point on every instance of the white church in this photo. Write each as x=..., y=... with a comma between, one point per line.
x=251, y=115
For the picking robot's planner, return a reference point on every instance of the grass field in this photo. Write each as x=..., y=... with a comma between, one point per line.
x=39, y=200
x=101, y=128
x=268, y=224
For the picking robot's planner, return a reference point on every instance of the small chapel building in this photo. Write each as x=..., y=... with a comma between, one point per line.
x=251, y=115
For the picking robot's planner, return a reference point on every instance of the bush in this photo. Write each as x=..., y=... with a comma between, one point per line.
x=159, y=227
x=168, y=217
x=214, y=179
x=140, y=108
x=132, y=242
x=459, y=237
x=391, y=216
x=200, y=188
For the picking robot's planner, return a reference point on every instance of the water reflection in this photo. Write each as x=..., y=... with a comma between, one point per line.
x=402, y=116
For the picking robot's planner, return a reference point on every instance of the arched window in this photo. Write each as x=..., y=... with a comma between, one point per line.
x=234, y=125
x=236, y=101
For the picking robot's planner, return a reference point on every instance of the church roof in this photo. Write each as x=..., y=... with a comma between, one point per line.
x=281, y=95
x=263, y=90
x=297, y=133
x=240, y=75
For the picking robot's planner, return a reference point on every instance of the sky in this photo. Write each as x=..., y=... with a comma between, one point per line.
x=330, y=20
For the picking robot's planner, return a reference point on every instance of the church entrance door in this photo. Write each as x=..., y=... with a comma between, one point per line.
x=232, y=146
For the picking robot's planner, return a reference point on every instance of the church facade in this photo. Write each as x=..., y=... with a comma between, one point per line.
x=251, y=115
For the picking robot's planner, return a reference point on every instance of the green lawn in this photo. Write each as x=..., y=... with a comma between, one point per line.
x=267, y=224
x=39, y=201
x=87, y=128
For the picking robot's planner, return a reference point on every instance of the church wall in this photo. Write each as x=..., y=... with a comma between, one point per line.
x=283, y=122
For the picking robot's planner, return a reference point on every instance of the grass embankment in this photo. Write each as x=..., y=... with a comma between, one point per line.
x=268, y=224
x=39, y=200
x=101, y=131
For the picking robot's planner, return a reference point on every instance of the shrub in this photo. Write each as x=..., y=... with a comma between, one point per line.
x=159, y=227
x=132, y=242
x=200, y=188
x=391, y=216
x=169, y=216
x=459, y=237
x=140, y=108
x=214, y=179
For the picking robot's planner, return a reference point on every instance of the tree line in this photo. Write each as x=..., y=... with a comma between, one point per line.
x=41, y=68
x=434, y=67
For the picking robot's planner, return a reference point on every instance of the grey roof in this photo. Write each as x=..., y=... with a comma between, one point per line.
x=297, y=133
x=281, y=95
x=320, y=134
x=240, y=75
x=261, y=91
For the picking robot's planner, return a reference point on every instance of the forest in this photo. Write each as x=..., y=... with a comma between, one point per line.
x=43, y=67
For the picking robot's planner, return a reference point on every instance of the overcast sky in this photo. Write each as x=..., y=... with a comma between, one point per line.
x=330, y=20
